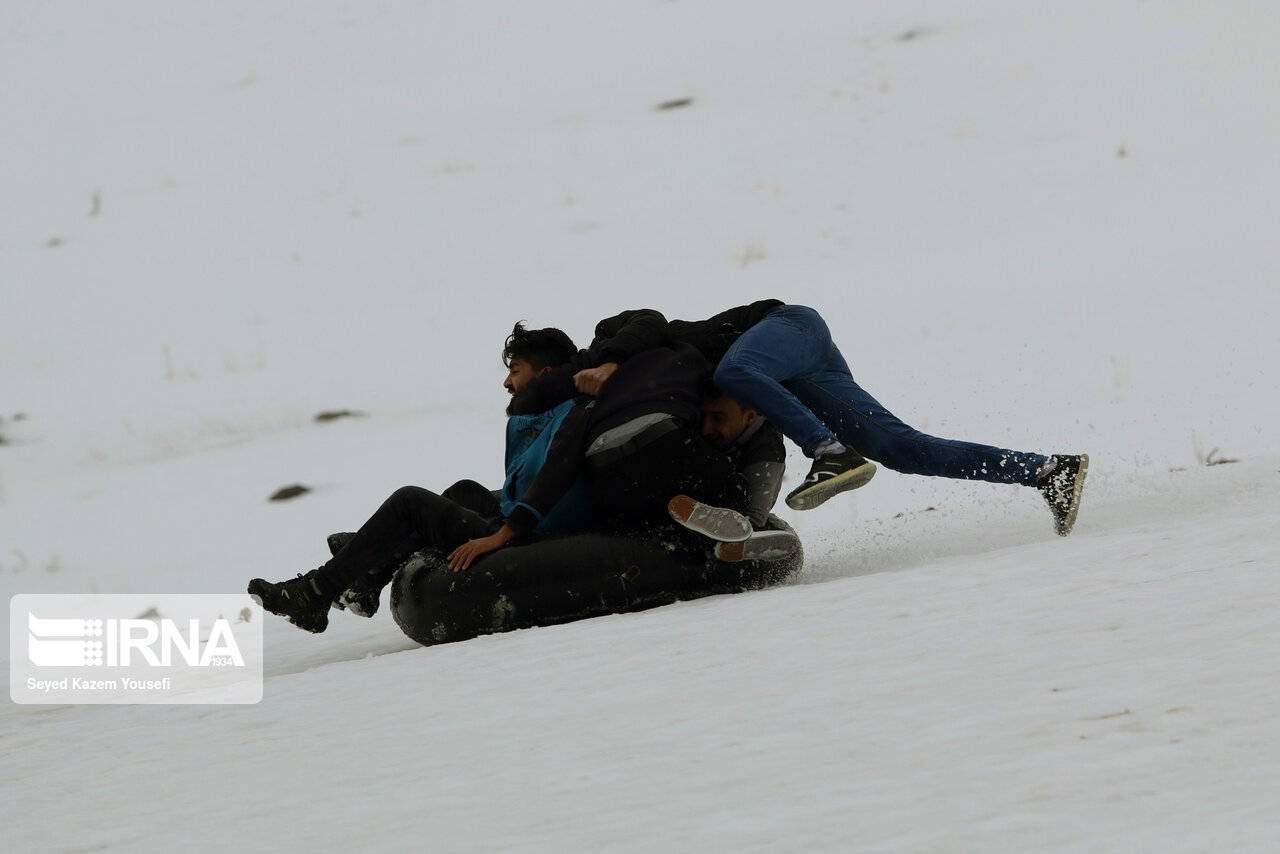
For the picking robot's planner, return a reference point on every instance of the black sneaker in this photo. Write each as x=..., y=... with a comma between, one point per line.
x=1061, y=482
x=300, y=600
x=761, y=545
x=717, y=523
x=830, y=475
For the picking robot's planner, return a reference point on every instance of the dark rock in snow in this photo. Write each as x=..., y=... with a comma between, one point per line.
x=335, y=414
x=676, y=104
x=287, y=492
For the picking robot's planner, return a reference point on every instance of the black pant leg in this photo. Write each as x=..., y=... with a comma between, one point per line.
x=475, y=497
x=411, y=519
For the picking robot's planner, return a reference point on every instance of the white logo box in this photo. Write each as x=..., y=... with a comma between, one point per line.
x=135, y=648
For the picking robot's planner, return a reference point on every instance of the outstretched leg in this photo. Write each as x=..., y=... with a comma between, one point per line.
x=788, y=368
x=412, y=518
x=863, y=423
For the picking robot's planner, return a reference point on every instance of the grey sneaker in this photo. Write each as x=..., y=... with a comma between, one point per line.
x=830, y=475
x=716, y=523
x=1061, y=482
x=761, y=545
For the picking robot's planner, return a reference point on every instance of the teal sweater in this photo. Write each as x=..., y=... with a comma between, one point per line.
x=528, y=441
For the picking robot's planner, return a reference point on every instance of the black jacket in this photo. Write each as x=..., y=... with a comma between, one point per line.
x=714, y=336
x=618, y=338
x=661, y=379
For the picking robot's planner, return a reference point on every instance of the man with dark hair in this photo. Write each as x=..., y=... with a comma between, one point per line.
x=465, y=515
x=753, y=446
x=528, y=353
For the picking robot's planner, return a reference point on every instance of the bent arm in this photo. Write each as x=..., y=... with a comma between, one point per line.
x=763, y=462
x=549, y=390
x=764, y=484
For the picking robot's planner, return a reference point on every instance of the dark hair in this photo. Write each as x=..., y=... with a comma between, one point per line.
x=541, y=348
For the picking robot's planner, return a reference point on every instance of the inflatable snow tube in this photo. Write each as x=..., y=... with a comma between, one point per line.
x=561, y=579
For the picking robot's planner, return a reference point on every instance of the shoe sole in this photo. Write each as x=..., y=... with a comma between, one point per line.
x=810, y=498
x=762, y=545
x=1073, y=510
x=715, y=523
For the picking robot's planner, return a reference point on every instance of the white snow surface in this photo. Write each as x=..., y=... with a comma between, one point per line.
x=1047, y=226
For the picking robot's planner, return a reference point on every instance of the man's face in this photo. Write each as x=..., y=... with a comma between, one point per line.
x=723, y=420
x=519, y=372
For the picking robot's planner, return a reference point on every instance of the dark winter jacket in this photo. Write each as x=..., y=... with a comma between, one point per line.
x=661, y=379
x=622, y=336
x=714, y=336
x=617, y=339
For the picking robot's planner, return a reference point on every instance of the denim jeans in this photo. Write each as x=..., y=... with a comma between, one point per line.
x=787, y=368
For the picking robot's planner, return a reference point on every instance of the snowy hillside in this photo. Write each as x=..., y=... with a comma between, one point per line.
x=1046, y=227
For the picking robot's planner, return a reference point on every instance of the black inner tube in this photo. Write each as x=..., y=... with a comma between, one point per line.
x=560, y=579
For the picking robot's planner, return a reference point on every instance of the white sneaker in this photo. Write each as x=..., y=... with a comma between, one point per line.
x=761, y=545
x=716, y=523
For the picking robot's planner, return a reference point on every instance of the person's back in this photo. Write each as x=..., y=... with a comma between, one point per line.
x=659, y=380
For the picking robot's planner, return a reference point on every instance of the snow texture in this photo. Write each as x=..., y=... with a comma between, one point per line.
x=1042, y=226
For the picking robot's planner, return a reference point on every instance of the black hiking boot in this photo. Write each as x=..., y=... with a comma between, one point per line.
x=717, y=523
x=300, y=600
x=1061, y=481
x=830, y=475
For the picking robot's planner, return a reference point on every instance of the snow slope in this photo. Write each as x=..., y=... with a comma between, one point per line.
x=1043, y=227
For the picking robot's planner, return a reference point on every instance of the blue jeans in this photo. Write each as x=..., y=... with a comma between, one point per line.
x=788, y=369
